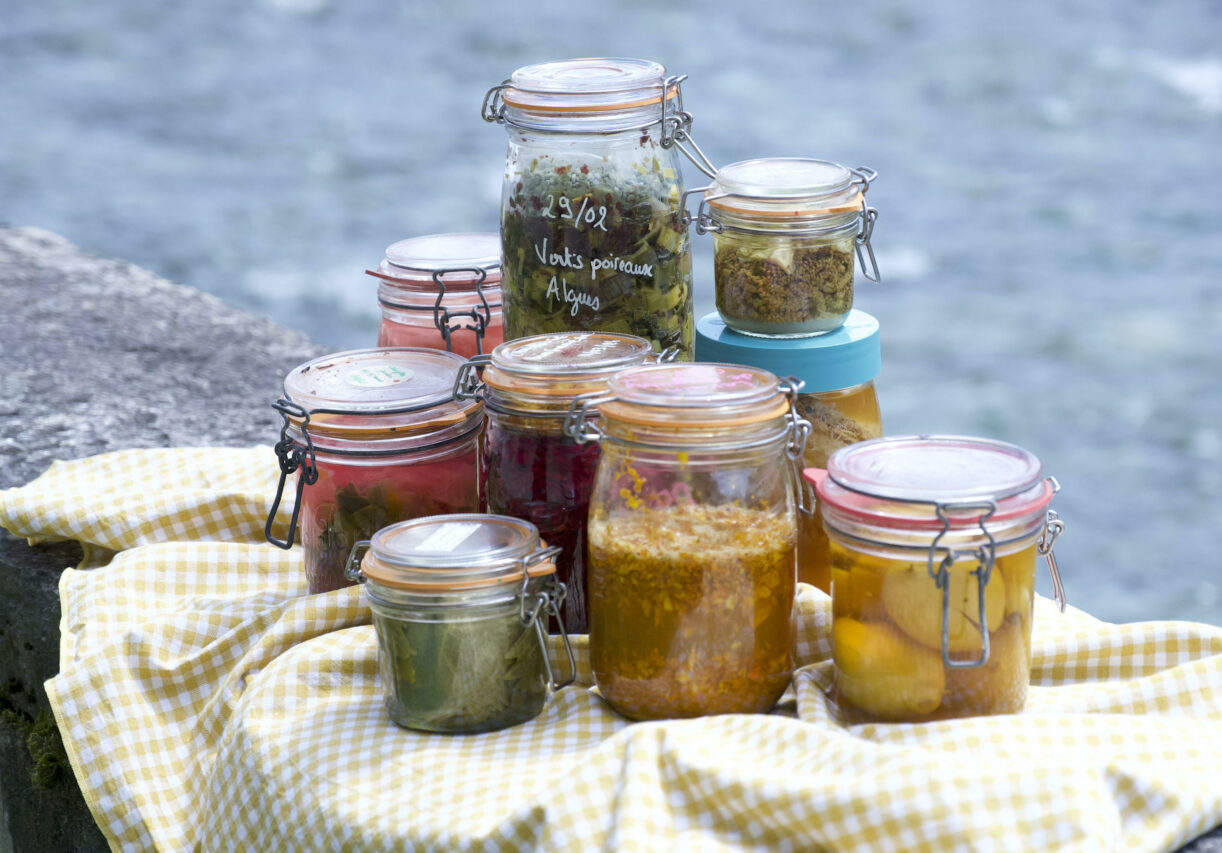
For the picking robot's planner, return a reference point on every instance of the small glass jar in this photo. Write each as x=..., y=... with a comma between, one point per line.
x=375, y=436
x=534, y=470
x=692, y=532
x=442, y=291
x=458, y=603
x=837, y=399
x=933, y=546
x=593, y=231
x=786, y=230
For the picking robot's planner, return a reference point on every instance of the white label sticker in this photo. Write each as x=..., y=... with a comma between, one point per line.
x=447, y=537
x=382, y=377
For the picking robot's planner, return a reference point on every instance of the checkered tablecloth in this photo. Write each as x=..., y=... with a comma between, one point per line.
x=208, y=703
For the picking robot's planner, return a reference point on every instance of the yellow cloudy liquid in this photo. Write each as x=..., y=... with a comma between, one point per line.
x=887, y=636
x=837, y=419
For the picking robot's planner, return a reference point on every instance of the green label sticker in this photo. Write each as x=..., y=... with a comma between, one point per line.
x=381, y=377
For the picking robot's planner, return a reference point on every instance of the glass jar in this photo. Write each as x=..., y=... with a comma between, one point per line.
x=786, y=229
x=933, y=547
x=375, y=436
x=457, y=603
x=837, y=398
x=441, y=291
x=692, y=532
x=593, y=231
x=534, y=470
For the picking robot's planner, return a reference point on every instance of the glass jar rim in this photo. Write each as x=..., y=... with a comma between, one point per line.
x=563, y=364
x=920, y=482
x=382, y=392
x=695, y=394
x=590, y=84
x=786, y=188
x=462, y=260
x=455, y=553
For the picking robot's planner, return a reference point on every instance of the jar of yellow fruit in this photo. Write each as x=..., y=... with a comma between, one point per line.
x=933, y=549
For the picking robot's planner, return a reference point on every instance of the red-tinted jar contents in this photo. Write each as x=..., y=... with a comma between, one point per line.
x=442, y=291
x=534, y=471
x=389, y=444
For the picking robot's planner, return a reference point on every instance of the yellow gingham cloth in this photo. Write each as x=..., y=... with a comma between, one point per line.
x=208, y=703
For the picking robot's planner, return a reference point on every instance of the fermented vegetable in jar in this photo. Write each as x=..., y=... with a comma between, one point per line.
x=933, y=547
x=592, y=223
x=786, y=231
x=535, y=471
x=441, y=291
x=692, y=532
x=374, y=436
x=458, y=603
x=837, y=399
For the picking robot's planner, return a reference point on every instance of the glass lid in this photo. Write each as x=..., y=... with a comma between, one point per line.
x=713, y=394
x=939, y=468
x=595, y=83
x=459, y=256
x=440, y=553
x=565, y=353
x=370, y=381
x=786, y=186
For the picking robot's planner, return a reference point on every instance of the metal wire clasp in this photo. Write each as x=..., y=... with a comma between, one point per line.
x=1053, y=527
x=577, y=424
x=291, y=456
x=985, y=557
x=795, y=444
x=677, y=126
x=467, y=384
x=546, y=601
x=352, y=566
x=863, y=177
x=493, y=108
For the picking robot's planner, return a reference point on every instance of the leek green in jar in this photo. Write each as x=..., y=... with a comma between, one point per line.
x=592, y=224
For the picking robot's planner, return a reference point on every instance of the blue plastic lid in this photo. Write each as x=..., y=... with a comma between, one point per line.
x=846, y=357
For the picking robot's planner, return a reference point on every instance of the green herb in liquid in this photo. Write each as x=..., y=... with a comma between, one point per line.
x=471, y=676
x=588, y=247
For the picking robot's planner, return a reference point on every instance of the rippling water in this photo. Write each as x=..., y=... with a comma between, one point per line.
x=1051, y=204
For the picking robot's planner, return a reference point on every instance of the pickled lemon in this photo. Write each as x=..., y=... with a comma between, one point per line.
x=1000, y=686
x=914, y=603
x=880, y=672
x=1019, y=572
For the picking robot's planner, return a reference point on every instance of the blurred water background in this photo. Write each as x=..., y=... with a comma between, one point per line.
x=1050, y=234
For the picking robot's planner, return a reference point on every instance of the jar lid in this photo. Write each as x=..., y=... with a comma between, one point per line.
x=786, y=187
x=886, y=479
x=587, y=85
x=841, y=359
x=450, y=553
x=382, y=390
x=563, y=363
x=696, y=394
x=459, y=256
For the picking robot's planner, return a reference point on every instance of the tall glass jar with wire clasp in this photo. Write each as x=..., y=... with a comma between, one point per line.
x=933, y=548
x=692, y=530
x=593, y=231
x=535, y=471
x=786, y=232
x=373, y=436
x=442, y=291
x=458, y=605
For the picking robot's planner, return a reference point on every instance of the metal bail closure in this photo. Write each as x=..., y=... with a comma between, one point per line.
x=1053, y=527
x=576, y=420
x=547, y=601
x=291, y=456
x=985, y=556
x=863, y=176
x=493, y=108
x=795, y=446
x=480, y=315
x=467, y=384
x=677, y=126
x=705, y=223
x=352, y=568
